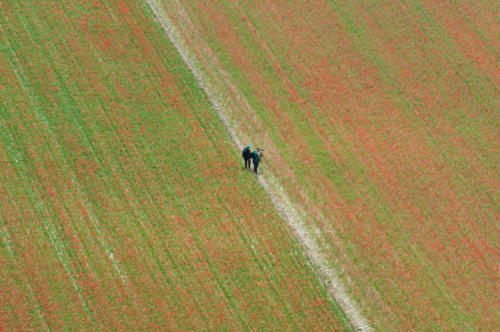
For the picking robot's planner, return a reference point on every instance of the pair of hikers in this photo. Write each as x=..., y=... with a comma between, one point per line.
x=254, y=156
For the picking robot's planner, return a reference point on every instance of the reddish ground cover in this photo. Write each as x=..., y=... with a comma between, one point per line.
x=385, y=125
x=122, y=203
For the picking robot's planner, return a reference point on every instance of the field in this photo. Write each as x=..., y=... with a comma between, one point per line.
x=123, y=199
x=382, y=121
x=123, y=203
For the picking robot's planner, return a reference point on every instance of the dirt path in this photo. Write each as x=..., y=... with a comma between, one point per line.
x=296, y=219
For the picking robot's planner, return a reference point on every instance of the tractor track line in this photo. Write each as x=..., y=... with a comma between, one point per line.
x=305, y=235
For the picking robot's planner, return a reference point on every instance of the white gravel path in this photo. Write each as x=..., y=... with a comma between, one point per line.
x=305, y=233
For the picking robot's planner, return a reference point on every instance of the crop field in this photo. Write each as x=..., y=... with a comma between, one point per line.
x=123, y=202
x=123, y=199
x=382, y=122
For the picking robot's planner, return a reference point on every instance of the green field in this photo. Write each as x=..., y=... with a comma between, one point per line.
x=123, y=203
x=386, y=117
x=123, y=199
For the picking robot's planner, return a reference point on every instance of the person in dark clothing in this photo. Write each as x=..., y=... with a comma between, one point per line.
x=256, y=160
x=247, y=156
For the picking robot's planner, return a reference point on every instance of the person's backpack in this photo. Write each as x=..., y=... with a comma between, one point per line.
x=256, y=157
x=245, y=153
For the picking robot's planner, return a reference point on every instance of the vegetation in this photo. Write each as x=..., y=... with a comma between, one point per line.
x=383, y=117
x=123, y=203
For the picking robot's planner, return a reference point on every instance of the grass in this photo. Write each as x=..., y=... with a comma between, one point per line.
x=381, y=120
x=123, y=203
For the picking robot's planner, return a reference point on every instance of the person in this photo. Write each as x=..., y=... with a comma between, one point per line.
x=247, y=155
x=261, y=152
x=256, y=160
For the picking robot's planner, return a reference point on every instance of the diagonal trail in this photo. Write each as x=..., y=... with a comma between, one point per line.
x=305, y=234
